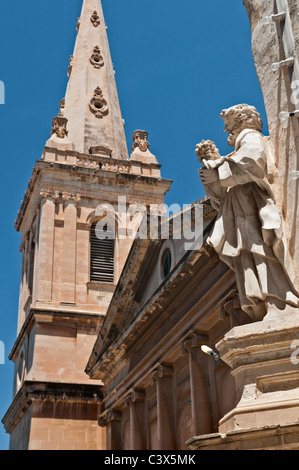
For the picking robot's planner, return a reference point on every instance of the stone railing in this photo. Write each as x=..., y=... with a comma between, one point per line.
x=103, y=163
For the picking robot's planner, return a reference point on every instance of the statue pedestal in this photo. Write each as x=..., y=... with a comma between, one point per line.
x=264, y=358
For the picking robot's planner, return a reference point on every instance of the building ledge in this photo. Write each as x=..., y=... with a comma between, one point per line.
x=275, y=437
x=54, y=392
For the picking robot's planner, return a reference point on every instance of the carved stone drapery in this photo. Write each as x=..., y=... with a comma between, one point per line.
x=248, y=234
x=98, y=105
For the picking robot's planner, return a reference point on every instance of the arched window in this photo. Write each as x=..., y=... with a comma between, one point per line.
x=102, y=250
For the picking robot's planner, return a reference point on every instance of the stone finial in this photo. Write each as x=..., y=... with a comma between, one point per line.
x=59, y=128
x=140, y=148
x=59, y=123
x=140, y=140
x=70, y=68
x=98, y=105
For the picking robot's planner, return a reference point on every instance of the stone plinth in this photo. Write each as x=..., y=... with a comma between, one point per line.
x=265, y=366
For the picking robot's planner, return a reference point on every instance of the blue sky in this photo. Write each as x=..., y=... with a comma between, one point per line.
x=178, y=64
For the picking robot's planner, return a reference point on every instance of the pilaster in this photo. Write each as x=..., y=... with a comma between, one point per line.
x=46, y=245
x=162, y=375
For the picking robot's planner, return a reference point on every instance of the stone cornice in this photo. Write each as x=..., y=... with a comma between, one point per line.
x=32, y=391
x=46, y=313
x=96, y=175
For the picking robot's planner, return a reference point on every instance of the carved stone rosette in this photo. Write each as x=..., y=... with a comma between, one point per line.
x=96, y=58
x=98, y=105
x=95, y=19
x=140, y=139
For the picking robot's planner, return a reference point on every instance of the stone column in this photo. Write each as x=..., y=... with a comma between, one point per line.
x=111, y=419
x=68, y=294
x=46, y=245
x=135, y=400
x=199, y=382
x=163, y=376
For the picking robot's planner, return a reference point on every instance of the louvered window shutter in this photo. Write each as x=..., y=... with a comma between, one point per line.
x=101, y=256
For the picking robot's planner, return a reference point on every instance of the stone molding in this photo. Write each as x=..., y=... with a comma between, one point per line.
x=32, y=391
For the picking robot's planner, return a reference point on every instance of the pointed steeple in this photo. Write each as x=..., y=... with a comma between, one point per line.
x=91, y=102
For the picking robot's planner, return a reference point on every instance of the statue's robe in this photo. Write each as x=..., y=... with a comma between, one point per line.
x=246, y=205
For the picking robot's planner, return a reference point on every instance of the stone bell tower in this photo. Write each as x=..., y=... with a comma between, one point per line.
x=68, y=273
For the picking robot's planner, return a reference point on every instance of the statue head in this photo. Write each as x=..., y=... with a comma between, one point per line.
x=240, y=117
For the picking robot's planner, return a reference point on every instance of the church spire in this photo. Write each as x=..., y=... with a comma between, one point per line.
x=91, y=102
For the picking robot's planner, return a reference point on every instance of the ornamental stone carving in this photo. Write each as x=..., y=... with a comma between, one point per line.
x=248, y=234
x=161, y=371
x=140, y=141
x=59, y=123
x=46, y=194
x=95, y=19
x=108, y=417
x=98, y=105
x=96, y=58
x=70, y=68
x=134, y=396
x=192, y=340
x=71, y=198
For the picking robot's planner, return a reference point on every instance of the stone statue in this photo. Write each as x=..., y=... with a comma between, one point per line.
x=248, y=233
